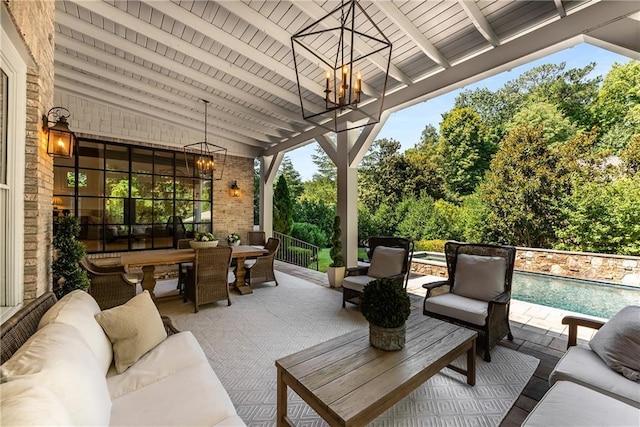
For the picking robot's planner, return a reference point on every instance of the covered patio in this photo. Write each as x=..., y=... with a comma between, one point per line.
x=133, y=76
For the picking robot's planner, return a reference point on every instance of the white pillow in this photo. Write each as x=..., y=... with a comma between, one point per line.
x=58, y=358
x=133, y=328
x=386, y=262
x=479, y=277
x=78, y=309
x=27, y=403
x=618, y=342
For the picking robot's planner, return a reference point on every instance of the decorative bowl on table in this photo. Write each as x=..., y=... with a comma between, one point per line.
x=202, y=245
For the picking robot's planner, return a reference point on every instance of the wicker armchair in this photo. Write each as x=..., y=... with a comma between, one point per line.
x=261, y=269
x=256, y=238
x=479, y=291
x=208, y=280
x=110, y=286
x=183, y=267
x=357, y=278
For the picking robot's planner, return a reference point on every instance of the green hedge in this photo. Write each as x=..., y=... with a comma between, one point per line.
x=430, y=245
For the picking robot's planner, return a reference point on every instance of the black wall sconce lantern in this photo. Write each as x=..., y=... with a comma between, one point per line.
x=234, y=190
x=61, y=139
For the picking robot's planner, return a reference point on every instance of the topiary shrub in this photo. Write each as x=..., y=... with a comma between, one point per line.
x=67, y=274
x=384, y=303
x=336, y=245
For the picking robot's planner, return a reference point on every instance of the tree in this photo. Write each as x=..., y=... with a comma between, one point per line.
x=69, y=251
x=336, y=245
x=464, y=151
x=555, y=127
x=316, y=212
x=618, y=100
x=294, y=182
x=631, y=156
x=282, y=207
x=326, y=168
x=603, y=217
x=523, y=190
x=424, y=172
x=383, y=173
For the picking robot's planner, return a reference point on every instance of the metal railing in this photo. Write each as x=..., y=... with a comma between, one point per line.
x=297, y=252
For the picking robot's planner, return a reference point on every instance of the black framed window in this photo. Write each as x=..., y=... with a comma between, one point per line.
x=129, y=197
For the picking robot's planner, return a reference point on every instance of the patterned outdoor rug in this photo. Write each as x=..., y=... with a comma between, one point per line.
x=243, y=341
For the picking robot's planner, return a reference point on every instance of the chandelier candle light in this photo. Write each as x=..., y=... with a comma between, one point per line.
x=204, y=156
x=345, y=60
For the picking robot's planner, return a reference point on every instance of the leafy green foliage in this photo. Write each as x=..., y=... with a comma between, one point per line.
x=302, y=255
x=316, y=212
x=282, y=207
x=336, y=244
x=436, y=245
x=603, y=217
x=383, y=174
x=618, y=99
x=384, y=303
x=522, y=190
x=69, y=251
x=294, y=182
x=309, y=233
x=555, y=128
x=465, y=152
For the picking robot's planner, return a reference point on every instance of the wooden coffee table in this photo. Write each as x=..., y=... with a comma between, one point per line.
x=349, y=383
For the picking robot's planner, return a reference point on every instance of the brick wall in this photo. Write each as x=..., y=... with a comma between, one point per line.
x=34, y=20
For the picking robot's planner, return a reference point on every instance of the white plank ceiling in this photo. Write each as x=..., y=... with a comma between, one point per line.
x=160, y=58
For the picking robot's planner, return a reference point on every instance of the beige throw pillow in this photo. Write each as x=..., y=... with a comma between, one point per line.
x=386, y=262
x=618, y=342
x=479, y=277
x=133, y=328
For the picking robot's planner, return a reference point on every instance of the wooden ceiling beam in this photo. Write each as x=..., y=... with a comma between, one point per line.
x=135, y=49
x=479, y=21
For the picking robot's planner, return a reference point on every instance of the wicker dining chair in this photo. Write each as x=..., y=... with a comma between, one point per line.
x=261, y=269
x=208, y=280
x=110, y=286
x=479, y=291
x=183, y=266
x=256, y=238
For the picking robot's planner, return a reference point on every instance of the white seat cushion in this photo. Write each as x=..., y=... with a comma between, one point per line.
x=583, y=366
x=27, y=403
x=177, y=352
x=249, y=263
x=78, y=309
x=356, y=283
x=479, y=277
x=467, y=309
x=570, y=404
x=386, y=262
x=192, y=396
x=58, y=358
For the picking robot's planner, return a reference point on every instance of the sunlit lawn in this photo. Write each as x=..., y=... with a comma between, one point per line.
x=324, y=259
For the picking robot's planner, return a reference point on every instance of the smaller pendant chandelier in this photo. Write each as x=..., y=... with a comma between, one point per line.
x=355, y=39
x=202, y=155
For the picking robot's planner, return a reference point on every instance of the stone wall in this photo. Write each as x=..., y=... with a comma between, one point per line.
x=603, y=267
x=618, y=269
x=34, y=20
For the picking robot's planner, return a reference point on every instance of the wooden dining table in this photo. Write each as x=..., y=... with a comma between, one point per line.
x=148, y=260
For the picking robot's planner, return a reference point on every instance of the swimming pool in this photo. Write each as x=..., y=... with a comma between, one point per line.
x=581, y=296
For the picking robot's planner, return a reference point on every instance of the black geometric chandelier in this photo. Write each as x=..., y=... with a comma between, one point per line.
x=202, y=155
x=353, y=37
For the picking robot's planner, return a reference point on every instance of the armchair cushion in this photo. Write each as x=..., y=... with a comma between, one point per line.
x=618, y=342
x=479, y=277
x=458, y=307
x=356, y=283
x=133, y=328
x=386, y=262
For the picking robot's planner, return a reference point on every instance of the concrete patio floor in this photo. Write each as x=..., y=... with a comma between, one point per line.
x=537, y=331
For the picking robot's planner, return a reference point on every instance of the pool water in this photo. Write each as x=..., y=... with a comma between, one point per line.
x=580, y=296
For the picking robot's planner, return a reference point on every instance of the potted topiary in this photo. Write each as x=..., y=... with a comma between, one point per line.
x=386, y=306
x=233, y=239
x=67, y=273
x=336, y=269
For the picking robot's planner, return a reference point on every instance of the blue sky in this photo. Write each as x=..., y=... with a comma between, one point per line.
x=407, y=125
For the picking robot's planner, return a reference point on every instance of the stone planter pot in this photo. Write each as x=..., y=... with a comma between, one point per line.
x=203, y=245
x=336, y=276
x=388, y=339
x=234, y=243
